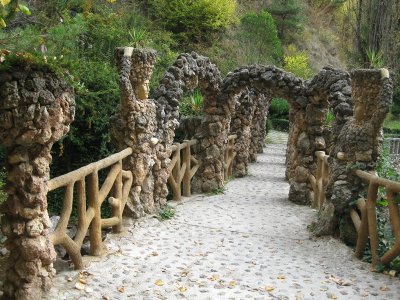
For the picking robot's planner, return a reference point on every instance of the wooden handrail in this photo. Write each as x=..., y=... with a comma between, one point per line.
x=117, y=183
x=182, y=168
x=366, y=224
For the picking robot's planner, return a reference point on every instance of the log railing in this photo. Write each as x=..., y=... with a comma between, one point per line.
x=320, y=182
x=84, y=182
x=182, y=168
x=394, y=146
x=365, y=219
x=229, y=156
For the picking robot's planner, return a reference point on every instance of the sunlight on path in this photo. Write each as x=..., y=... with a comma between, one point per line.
x=248, y=243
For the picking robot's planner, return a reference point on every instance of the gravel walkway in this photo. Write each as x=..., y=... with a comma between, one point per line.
x=248, y=243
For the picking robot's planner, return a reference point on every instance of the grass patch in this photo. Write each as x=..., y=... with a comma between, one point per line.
x=166, y=213
x=391, y=122
x=218, y=191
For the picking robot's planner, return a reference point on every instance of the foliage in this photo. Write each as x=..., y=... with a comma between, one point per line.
x=81, y=49
x=217, y=191
x=280, y=124
x=166, y=213
x=297, y=62
x=330, y=117
x=3, y=195
x=391, y=123
x=385, y=170
x=193, y=21
x=192, y=105
x=8, y=8
x=279, y=109
x=258, y=36
x=268, y=126
x=288, y=15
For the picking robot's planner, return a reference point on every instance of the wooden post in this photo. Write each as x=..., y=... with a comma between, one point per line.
x=95, y=226
x=176, y=173
x=117, y=209
x=372, y=224
x=187, y=177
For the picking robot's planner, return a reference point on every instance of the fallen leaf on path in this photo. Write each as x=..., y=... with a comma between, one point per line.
x=281, y=277
x=121, y=289
x=384, y=288
x=269, y=288
x=82, y=280
x=154, y=253
x=214, y=277
x=184, y=274
x=183, y=289
x=159, y=282
x=79, y=286
x=232, y=283
x=340, y=281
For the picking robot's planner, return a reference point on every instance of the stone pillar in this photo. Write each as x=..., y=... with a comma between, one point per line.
x=359, y=144
x=136, y=126
x=36, y=109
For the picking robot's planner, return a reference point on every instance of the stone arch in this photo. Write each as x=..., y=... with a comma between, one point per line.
x=189, y=71
x=236, y=99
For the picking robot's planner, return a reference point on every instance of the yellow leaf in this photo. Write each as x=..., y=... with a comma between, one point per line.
x=281, y=277
x=82, y=280
x=2, y=23
x=159, y=282
x=214, y=278
x=232, y=283
x=79, y=286
x=184, y=274
x=121, y=289
x=384, y=288
x=183, y=289
x=269, y=288
x=5, y=2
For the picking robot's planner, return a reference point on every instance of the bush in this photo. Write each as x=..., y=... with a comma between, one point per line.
x=280, y=124
x=258, y=36
x=268, y=126
x=193, y=20
x=279, y=109
x=192, y=105
x=297, y=62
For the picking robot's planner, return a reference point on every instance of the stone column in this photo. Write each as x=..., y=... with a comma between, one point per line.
x=36, y=109
x=136, y=126
x=358, y=146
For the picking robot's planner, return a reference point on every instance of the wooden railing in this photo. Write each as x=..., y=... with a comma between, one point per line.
x=365, y=220
x=118, y=182
x=229, y=156
x=182, y=168
x=394, y=146
x=319, y=182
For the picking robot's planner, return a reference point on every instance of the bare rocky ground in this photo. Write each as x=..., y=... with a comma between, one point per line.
x=248, y=243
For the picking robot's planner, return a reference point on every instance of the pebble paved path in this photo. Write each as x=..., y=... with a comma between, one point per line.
x=248, y=243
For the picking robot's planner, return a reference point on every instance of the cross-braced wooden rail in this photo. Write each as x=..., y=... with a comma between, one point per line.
x=86, y=181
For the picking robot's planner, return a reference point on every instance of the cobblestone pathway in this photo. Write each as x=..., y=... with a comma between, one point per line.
x=248, y=243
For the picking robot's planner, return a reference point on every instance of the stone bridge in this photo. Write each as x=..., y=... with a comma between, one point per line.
x=36, y=109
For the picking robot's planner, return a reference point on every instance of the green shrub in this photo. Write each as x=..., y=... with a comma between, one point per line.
x=279, y=109
x=193, y=20
x=329, y=118
x=297, y=62
x=258, y=36
x=192, y=104
x=268, y=126
x=288, y=15
x=280, y=124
